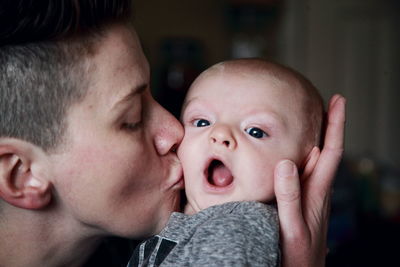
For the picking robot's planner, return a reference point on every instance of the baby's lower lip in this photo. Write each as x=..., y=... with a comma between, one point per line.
x=217, y=189
x=209, y=187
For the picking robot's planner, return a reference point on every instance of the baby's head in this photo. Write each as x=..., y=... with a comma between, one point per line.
x=242, y=117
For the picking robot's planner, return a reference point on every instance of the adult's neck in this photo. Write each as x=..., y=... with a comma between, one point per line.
x=39, y=238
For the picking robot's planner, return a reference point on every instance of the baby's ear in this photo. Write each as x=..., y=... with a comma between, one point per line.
x=310, y=162
x=20, y=185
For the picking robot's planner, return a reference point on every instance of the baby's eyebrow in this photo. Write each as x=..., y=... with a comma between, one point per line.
x=186, y=103
x=269, y=117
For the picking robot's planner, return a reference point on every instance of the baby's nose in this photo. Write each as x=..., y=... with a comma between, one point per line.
x=222, y=135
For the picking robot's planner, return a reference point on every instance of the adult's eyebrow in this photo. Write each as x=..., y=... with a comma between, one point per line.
x=132, y=93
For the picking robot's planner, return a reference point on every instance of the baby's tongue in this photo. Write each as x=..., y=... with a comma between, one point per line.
x=221, y=176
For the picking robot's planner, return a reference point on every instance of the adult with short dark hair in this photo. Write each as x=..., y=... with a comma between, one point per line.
x=86, y=152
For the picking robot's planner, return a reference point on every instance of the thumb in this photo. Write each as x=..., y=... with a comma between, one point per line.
x=288, y=196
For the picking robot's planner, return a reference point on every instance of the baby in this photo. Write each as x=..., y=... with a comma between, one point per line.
x=241, y=117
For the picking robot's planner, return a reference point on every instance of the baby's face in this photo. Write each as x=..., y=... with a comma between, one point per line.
x=236, y=130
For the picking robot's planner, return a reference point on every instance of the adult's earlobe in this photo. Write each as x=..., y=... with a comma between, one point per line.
x=36, y=194
x=18, y=185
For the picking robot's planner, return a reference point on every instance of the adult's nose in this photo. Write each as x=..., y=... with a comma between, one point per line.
x=222, y=135
x=168, y=130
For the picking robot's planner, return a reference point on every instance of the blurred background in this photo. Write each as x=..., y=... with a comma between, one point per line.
x=351, y=47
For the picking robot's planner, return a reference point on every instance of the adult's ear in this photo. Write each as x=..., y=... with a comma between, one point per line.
x=310, y=162
x=22, y=183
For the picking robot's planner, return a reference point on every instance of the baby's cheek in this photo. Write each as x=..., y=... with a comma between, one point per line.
x=264, y=166
x=188, y=150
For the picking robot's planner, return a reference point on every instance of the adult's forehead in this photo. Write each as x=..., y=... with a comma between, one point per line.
x=121, y=42
x=118, y=64
x=120, y=35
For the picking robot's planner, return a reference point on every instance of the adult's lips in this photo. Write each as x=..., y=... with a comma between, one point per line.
x=175, y=175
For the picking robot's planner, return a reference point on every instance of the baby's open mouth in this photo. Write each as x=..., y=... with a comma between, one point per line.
x=218, y=174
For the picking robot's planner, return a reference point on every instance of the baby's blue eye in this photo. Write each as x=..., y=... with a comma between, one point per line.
x=201, y=123
x=256, y=132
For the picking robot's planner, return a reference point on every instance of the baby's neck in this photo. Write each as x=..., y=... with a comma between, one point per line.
x=189, y=210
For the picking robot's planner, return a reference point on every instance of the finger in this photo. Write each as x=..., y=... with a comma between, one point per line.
x=331, y=154
x=288, y=196
x=311, y=163
x=334, y=136
x=333, y=99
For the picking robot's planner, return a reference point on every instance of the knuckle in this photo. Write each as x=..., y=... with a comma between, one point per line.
x=289, y=196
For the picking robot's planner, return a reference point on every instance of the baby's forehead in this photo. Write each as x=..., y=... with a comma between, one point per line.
x=257, y=70
x=257, y=90
x=252, y=74
x=235, y=76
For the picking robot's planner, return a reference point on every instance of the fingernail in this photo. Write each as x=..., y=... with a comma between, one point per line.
x=344, y=101
x=286, y=168
x=334, y=99
x=341, y=100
